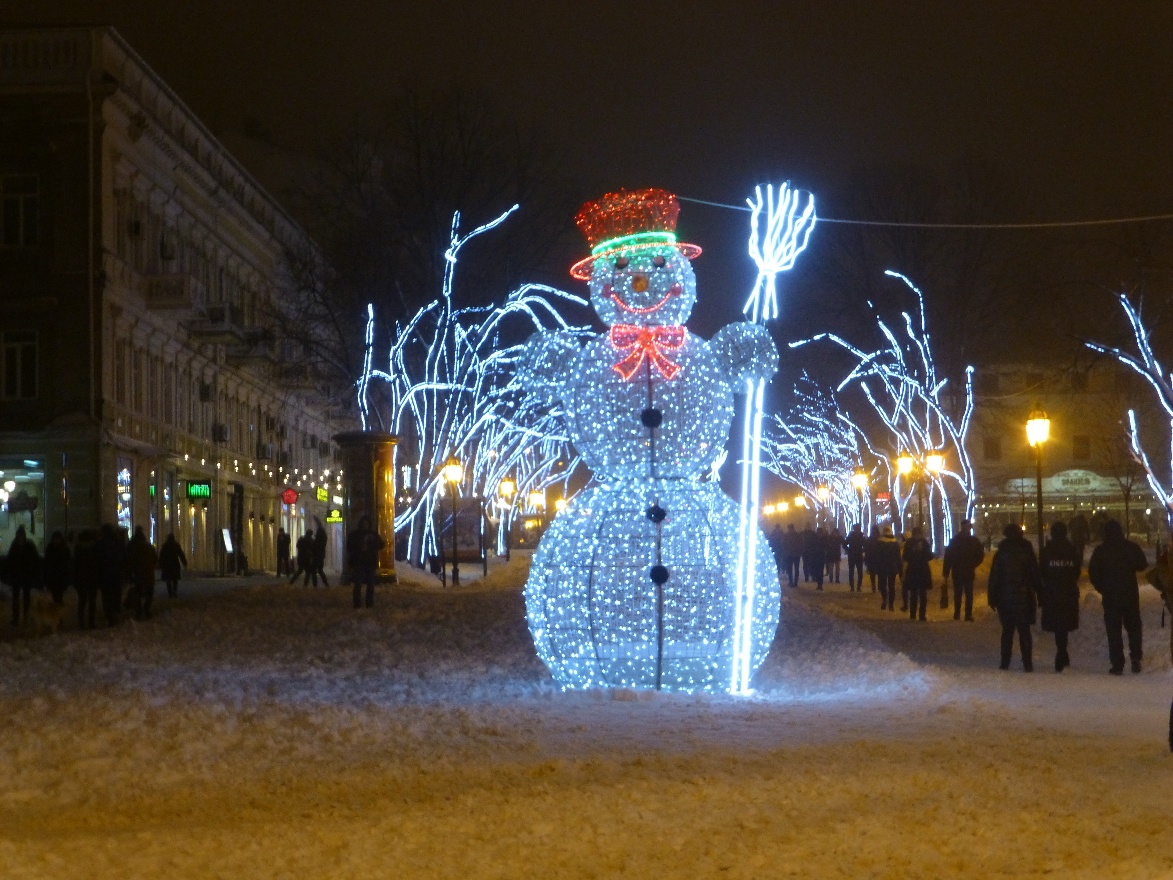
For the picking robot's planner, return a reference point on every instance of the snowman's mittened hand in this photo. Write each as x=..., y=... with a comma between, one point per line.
x=746, y=351
x=545, y=367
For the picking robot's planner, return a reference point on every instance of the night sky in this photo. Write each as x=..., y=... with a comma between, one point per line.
x=1070, y=100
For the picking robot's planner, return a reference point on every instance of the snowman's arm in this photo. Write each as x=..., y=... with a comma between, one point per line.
x=547, y=363
x=745, y=351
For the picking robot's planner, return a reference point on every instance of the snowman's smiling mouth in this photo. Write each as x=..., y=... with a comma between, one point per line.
x=674, y=290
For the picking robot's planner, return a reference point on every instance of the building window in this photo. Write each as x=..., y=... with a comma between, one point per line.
x=18, y=364
x=1081, y=447
x=19, y=210
x=989, y=383
x=992, y=448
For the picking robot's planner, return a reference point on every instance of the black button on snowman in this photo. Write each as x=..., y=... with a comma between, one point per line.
x=635, y=582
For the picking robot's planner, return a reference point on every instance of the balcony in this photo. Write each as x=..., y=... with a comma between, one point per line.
x=172, y=293
x=259, y=348
x=221, y=324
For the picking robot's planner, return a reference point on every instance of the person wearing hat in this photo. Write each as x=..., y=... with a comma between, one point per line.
x=1060, y=562
x=918, y=578
x=1112, y=571
x=1012, y=590
x=962, y=557
x=886, y=564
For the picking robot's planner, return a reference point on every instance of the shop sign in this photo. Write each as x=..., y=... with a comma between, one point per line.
x=199, y=489
x=334, y=516
x=289, y=496
x=321, y=494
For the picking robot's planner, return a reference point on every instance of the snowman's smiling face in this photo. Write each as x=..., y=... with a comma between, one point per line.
x=645, y=286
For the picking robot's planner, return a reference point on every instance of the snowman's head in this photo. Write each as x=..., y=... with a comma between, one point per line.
x=645, y=286
x=638, y=272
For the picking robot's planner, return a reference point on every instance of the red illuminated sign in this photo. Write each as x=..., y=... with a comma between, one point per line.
x=289, y=496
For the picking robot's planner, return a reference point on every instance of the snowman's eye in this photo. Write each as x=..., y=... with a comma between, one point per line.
x=621, y=262
x=658, y=261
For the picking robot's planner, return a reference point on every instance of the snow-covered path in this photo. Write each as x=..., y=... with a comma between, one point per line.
x=270, y=731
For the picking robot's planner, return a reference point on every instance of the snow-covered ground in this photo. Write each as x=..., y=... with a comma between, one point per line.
x=271, y=731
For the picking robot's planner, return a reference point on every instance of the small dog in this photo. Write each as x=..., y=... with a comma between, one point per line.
x=45, y=616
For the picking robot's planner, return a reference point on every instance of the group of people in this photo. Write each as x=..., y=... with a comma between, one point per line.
x=100, y=564
x=311, y=556
x=886, y=560
x=1020, y=584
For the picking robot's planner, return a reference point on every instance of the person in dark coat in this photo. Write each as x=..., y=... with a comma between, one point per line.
x=171, y=565
x=834, y=554
x=305, y=560
x=22, y=570
x=918, y=578
x=1112, y=571
x=86, y=577
x=320, y=541
x=814, y=556
x=58, y=561
x=885, y=561
x=1012, y=591
x=143, y=562
x=808, y=539
x=362, y=547
x=791, y=554
x=854, y=543
x=775, y=541
x=870, y=548
x=283, y=567
x=111, y=570
x=962, y=557
x=1080, y=533
x=1060, y=564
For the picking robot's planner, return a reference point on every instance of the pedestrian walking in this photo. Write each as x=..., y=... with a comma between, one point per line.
x=886, y=563
x=22, y=570
x=1060, y=564
x=1112, y=571
x=1012, y=591
x=172, y=561
x=111, y=573
x=86, y=577
x=363, y=546
x=918, y=577
x=962, y=557
x=854, y=544
x=305, y=560
x=834, y=554
x=1080, y=533
x=791, y=554
x=143, y=562
x=320, y=542
x=58, y=561
x=809, y=539
x=870, y=548
x=283, y=566
x=816, y=552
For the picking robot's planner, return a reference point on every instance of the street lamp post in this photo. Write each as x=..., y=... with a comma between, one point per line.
x=1038, y=430
x=453, y=473
x=860, y=481
x=507, y=488
x=823, y=493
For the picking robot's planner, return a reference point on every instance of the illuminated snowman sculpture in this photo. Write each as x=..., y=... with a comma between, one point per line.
x=635, y=584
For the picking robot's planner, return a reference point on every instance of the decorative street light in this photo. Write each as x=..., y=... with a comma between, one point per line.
x=904, y=464
x=506, y=489
x=768, y=510
x=453, y=472
x=934, y=463
x=800, y=501
x=860, y=481
x=1038, y=431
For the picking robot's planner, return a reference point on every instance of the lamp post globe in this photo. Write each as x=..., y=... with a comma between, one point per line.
x=453, y=472
x=1038, y=431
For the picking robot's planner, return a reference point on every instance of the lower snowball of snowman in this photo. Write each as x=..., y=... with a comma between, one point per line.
x=591, y=603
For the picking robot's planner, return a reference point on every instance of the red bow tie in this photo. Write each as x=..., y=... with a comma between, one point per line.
x=636, y=343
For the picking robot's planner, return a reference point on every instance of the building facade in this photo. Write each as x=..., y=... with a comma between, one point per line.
x=1086, y=462
x=144, y=380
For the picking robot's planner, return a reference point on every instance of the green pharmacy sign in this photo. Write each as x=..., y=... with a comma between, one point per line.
x=199, y=489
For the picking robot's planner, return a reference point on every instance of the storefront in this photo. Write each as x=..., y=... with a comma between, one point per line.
x=22, y=500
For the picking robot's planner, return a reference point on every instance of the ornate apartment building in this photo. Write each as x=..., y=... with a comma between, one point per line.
x=143, y=378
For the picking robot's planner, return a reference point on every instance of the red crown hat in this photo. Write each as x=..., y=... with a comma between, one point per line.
x=628, y=220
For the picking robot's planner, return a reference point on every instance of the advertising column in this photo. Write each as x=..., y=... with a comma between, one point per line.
x=368, y=489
